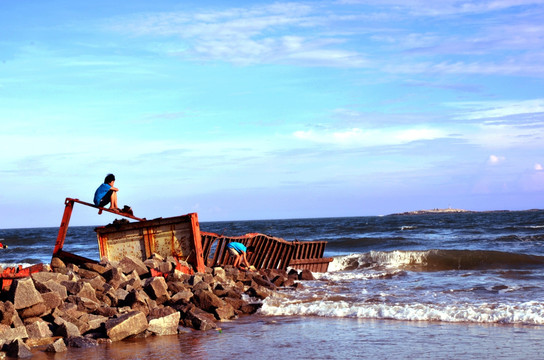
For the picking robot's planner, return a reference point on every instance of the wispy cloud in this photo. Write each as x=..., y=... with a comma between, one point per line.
x=372, y=137
x=498, y=109
x=256, y=34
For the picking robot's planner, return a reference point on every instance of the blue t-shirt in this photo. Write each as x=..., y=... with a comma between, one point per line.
x=239, y=247
x=100, y=192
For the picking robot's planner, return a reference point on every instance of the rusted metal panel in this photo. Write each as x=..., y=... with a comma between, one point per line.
x=177, y=236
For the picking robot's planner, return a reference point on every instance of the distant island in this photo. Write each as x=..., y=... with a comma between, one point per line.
x=434, y=211
x=452, y=211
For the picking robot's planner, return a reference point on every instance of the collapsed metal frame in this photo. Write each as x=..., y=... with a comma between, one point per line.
x=270, y=252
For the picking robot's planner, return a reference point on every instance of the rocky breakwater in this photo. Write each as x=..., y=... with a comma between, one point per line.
x=83, y=306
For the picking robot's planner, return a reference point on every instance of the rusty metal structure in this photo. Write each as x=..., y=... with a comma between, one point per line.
x=181, y=238
x=270, y=252
x=177, y=236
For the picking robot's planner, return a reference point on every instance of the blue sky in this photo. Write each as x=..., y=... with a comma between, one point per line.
x=259, y=110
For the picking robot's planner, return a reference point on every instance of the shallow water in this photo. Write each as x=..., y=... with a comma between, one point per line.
x=258, y=337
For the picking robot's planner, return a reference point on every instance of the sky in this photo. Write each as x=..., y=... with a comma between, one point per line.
x=243, y=110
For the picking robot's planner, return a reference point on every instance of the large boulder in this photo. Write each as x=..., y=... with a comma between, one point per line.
x=132, y=323
x=56, y=347
x=51, y=285
x=18, y=349
x=157, y=289
x=38, y=330
x=23, y=293
x=18, y=332
x=164, y=321
x=207, y=300
x=131, y=263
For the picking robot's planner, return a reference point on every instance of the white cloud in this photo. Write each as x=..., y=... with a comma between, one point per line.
x=497, y=109
x=538, y=167
x=372, y=137
x=495, y=160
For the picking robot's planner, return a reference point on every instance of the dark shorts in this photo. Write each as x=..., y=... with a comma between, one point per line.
x=106, y=199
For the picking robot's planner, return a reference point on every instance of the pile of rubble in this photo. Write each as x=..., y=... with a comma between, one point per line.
x=95, y=303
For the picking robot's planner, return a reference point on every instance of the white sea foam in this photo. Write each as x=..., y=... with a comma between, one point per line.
x=391, y=259
x=523, y=313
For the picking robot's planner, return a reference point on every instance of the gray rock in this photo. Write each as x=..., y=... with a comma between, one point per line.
x=38, y=330
x=11, y=334
x=131, y=263
x=23, y=293
x=165, y=325
x=207, y=300
x=17, y=348
x=81, y=342
x=157, y=289
x=126, y=325
x=57, y=346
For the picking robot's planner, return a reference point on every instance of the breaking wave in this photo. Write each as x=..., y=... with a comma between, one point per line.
x=436, y=260
x=531, y=313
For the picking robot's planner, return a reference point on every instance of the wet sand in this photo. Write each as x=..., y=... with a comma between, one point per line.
x=258, y=337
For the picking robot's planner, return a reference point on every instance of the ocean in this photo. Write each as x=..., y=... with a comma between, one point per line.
x=440, y=286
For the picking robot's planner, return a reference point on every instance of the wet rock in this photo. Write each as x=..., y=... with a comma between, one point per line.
x=126, y=325
x=94, y=322
x=207, y=300
x=236, y=303
x=67, y=329
x=306, y=275
x=224, y=312
x=250, y=308
x=292, y=274
x=258, y=292
x=263, y=281
x=164, y=321
x=198, y=319
x=17, y=348
x=81, y=342
x=56, y=347
x=32, y=343
x=23, y=294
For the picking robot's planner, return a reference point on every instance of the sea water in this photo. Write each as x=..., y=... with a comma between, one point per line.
x=470, y=284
